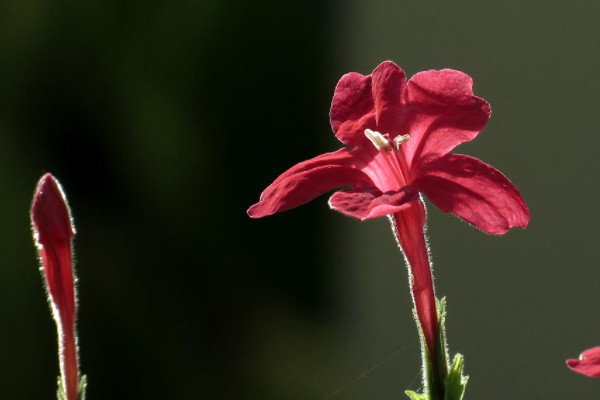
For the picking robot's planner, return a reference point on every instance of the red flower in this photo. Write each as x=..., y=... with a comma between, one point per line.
x=53, y=231
x=398, y=138
x=588, y=363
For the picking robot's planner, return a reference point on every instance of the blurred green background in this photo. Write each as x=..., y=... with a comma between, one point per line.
x=165, y=120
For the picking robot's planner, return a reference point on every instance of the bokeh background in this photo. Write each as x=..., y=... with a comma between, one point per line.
x=165, y=120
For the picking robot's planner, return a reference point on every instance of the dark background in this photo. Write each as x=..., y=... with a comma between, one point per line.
x=165, y=120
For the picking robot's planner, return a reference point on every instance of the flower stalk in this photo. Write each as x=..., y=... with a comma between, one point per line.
x=53, y=231
x=408, y=227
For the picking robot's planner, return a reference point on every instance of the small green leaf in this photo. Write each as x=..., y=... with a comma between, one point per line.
x=415, y=395
x=442, y=352
x=60, y=393
x=82, y=387
x=427, y=373
x=446, y=382
x=456, y=382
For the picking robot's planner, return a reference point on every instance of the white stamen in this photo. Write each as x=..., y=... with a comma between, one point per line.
x=398, y=140
x=378, y=140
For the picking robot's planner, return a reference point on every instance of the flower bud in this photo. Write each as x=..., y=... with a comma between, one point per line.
x=53, y=230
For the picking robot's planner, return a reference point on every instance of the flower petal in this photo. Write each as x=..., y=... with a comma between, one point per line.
x=307, y=180
x=389, y=87
x=588, y=363
x=366, y=204
x=352, y=107
x=373, y=102
x=444, y=113
x=473, y=191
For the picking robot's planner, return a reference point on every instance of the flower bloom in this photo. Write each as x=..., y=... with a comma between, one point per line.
x=588, y=363
x=398, y=138
x=53, y=231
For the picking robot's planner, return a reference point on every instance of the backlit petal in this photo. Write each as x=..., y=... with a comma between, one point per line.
x=374, y=102
x=372, y=204
x=588, y=363
x=444, y=113
x=307, y=180
x=475, y=192
x=352, y=108
x=389, y=87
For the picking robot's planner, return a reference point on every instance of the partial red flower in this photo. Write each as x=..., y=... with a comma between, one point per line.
x=588, y=363
x=398, y=139
x=53, y=231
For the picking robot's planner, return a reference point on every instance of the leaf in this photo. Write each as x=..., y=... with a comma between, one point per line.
x=415, y=395
x=60, y=393
x=456, y=382
x=82, y=387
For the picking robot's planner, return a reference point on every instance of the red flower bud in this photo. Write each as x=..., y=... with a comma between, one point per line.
x=53, y=230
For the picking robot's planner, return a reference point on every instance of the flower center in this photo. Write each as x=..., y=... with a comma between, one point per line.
x=391, y=159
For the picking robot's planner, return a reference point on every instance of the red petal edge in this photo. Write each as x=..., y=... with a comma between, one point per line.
x=587, y=364
x=474, y=191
